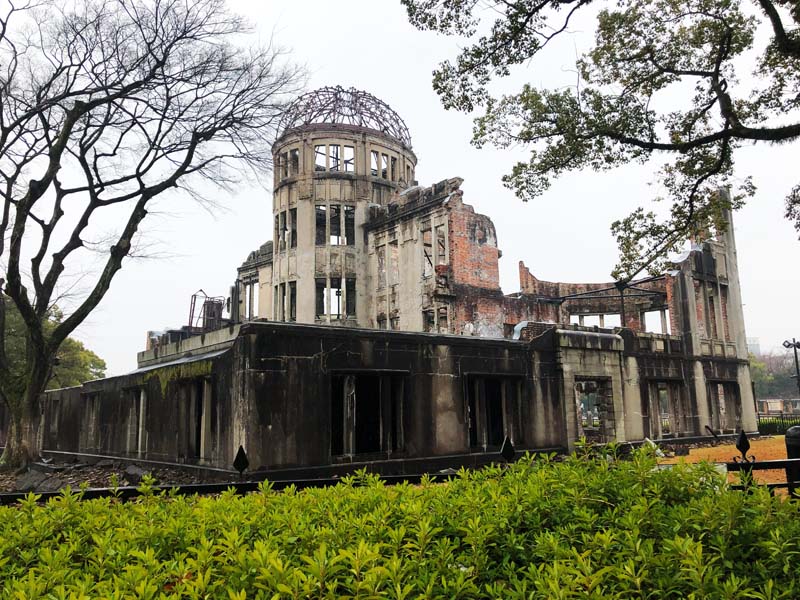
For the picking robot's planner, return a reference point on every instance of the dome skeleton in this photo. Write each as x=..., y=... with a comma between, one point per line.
x=336, y=105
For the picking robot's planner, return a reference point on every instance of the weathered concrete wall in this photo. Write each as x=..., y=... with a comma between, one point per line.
x=277, y=389
x=290, y=405
x=206, y=342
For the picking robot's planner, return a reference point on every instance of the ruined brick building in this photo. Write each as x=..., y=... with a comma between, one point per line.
x=372, y=328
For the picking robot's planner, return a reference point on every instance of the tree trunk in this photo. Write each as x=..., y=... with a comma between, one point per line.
x=23, y=443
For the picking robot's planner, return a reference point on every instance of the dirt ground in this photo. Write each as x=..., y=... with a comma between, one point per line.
x=763, y=448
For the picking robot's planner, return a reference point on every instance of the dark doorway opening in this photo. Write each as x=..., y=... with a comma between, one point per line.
x=366, y=413
x=337, y=416
x=492, y=411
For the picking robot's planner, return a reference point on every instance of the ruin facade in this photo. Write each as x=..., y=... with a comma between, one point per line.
x=373, y=328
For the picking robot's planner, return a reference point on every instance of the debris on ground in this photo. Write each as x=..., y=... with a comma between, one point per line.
x=51, y=477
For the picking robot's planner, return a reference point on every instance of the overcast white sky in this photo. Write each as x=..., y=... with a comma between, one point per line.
x=563, y=236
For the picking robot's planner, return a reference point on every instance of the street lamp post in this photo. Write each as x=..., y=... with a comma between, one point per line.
x=796, y=345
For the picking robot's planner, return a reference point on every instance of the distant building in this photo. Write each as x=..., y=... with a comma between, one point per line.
x=754, y=346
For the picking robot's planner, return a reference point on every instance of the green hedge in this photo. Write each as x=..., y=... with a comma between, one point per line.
x=582, y=528
x=777, y=424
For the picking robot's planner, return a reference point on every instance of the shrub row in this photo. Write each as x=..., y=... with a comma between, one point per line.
x=777, y=424
x=582, y=528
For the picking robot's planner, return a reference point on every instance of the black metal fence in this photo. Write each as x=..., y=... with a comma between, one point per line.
x=777, y=424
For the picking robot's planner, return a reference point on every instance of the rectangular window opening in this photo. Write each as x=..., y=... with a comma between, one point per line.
x=591, y=320
x=350, y=293
x=333, y=157
x=320, y=158
x=593, y=399
x=282, y=231
x=336, y=225
x=349, y=159
x=294, y=161
x=336, y=298
x=427, y=253
x=664, y=409
x=293, y=226
x=394, y=263
x=281, y=301
x=256, y=293
x=384, y=166
x=442, y=319
x=284, y=165
x=394, y=168
x=373, y=163
x=350, y=225
x=293, y=301
x=320, y=298
x=656, y=321
x=588, y=404
x=441, y=246
x=428, y=320
x=321, y=222
x=381, y=257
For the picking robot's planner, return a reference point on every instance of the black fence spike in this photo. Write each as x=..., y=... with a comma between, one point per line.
x=743, y=445
x=240, y=463
x=507, y=450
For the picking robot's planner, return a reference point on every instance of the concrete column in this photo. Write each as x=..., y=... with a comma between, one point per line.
x=633, y=423
x=699, y=386
x=205, y=422
x=749, y=415
x=141, y=450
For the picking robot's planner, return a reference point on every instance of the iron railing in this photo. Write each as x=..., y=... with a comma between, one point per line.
x=777, y=424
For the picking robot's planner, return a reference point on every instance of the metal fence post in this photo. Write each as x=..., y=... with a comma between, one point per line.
x=793, y=451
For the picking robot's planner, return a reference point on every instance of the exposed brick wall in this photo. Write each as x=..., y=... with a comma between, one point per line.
x=477, y=312
x=670, y=284
x=474, y=256
x=606, y=305
x=724, y=304
x=528, y=308
x=700, y=310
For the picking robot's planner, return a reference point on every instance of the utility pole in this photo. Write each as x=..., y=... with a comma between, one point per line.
x=794, y=344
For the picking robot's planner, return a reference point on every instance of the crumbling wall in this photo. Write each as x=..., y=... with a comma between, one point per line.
x=580, y=299
x=474, y=271
x=474, y=255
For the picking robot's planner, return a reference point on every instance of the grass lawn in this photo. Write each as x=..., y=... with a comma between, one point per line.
x=765, y=448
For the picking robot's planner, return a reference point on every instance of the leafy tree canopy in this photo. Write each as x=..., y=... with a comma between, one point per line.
x=74, y=363
x=727, y=71
x=773, y=375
